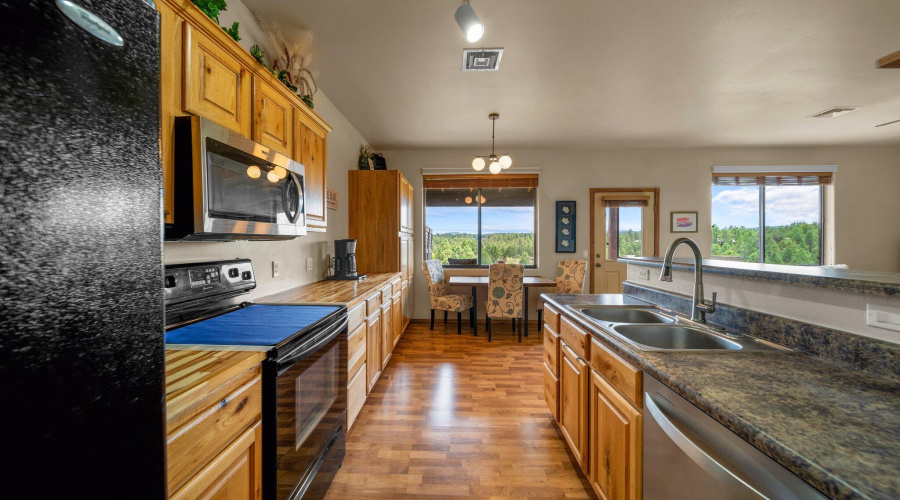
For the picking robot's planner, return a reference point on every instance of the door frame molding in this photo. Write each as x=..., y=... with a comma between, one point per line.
x=594, y=192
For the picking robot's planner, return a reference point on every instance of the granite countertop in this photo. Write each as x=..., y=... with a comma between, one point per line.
x=869, y=282
x=348, y=292
x=836, y=428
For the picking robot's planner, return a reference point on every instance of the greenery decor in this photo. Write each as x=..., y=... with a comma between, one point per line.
x=285, y=78
x=258, y=54
x=233, y=31
x=365, y=153
x=211, y=8
x=290, y=60
x=307, y=99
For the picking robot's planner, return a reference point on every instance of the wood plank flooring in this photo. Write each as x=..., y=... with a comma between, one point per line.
x=458, y=417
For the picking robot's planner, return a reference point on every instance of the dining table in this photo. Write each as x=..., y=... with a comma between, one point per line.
x=477, y=282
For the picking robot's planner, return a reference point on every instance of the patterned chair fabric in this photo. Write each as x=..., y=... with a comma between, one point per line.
x=505, y=291
x=437, y=288
x=570, y=276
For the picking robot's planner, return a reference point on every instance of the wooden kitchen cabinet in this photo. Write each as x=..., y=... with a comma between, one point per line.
x=551, y=370
x=397, y=318
x=574, y=375
x=311, y=149
x=387, y=332
x=615, y=443
x=236, y=474
x=273, y=118
x=373, y=349
x=405, y=205
x=216, y=84
x=171, y=40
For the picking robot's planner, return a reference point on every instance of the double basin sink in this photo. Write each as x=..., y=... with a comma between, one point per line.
x=649, y=329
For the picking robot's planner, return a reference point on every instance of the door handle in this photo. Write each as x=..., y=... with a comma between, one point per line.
x=597, y=265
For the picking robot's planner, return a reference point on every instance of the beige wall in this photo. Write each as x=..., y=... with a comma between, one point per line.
x=867, y=236
x=343, y=143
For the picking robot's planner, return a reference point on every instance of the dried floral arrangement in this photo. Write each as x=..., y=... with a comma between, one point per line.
x=365, y=154
x=212, y=8
x=290, y=61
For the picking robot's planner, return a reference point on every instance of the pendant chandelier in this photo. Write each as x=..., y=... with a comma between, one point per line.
x=495, y=163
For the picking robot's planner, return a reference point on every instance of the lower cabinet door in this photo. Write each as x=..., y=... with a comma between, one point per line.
x=356, y=395
x=235, y=474
x=397, y=318
x=551, y=391
x=615, y=449
x=573, y=408
x=387, y=333
x=373, y=350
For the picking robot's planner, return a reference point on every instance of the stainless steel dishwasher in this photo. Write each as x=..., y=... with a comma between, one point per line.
x=688, y=455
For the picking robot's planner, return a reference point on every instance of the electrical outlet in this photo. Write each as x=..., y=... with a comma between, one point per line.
x=276, y=268
x=584, y=254
x=644, y=274
x=309, y=264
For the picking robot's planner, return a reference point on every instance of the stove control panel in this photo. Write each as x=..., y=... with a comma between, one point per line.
x=208, y=281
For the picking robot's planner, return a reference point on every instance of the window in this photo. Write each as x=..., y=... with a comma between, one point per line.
x=624, y=231
x=478, y=226
x=790, y=217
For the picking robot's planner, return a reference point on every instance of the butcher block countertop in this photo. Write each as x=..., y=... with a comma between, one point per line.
x=195, y=378
x=345, y=292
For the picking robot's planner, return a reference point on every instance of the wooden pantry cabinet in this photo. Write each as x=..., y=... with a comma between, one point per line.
x=381, y=221
x=595, y=397
x=205, y=72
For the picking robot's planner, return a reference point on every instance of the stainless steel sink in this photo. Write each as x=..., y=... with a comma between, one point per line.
x=671, y=337
x=625, y=315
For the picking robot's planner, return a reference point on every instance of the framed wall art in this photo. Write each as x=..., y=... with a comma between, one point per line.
x=684, y=222
x=565, y=227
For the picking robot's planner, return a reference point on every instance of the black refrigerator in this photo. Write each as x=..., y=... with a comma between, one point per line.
x=81, y=305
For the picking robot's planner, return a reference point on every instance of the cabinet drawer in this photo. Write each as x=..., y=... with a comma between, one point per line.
x=551, y=317
x=356, y=350
x=356, y=395
x=196, y=443
x=373, y=303
x=617, y=372
x=386, y=293
x=356, y=316
x=551, y=350
x=551, y=392
x=396, y=287
x=574, y=336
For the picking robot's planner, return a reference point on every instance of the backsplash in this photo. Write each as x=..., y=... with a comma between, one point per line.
x=876, y=357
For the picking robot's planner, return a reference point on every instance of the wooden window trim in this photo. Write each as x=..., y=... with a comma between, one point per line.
x=474, y=181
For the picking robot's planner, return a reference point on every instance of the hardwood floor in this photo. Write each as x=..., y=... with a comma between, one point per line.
x=457, y=417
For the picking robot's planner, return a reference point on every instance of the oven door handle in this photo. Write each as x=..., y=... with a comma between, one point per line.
x=304, y=350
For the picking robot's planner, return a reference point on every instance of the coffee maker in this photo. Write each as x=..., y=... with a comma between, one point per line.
x=345, y=261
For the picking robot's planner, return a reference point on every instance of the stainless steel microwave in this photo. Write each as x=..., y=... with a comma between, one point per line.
x=228, y=187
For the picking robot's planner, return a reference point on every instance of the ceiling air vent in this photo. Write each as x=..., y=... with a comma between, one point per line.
x=481, y=59
x=834, y=112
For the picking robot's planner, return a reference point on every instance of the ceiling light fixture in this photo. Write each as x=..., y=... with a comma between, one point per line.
x=495, y=163
x=469, y=23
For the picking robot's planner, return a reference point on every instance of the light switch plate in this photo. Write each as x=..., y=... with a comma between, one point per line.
x=309, y=264
x=276, y=268
x=644, y=274
x=584, y=254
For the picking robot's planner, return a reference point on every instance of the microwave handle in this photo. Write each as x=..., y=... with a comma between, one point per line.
x=296, y=184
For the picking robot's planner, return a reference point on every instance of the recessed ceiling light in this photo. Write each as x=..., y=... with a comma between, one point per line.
x=834, y=112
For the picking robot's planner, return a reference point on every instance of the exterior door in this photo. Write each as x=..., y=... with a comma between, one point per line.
x=625, y=224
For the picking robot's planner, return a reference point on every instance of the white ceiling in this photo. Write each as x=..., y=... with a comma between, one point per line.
x=607, y=73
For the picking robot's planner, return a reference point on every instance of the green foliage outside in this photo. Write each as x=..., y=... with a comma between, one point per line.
x=794, y=244
x=515, y=248
x=629, y=243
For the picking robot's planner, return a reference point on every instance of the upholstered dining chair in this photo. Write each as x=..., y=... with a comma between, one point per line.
x=441, y=300
x=506, y=295
x=569, y=279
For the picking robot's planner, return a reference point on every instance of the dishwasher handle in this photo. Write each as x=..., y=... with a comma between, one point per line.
x=694, y=450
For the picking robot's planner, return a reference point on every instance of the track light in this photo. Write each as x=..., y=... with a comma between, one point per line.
x=469, y=23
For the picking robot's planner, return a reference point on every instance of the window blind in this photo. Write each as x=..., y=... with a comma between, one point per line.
x=474, y=181
x=619, y=201
x=815, y=175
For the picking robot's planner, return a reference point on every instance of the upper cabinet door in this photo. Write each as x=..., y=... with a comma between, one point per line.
x=216, y=84
x=273, y=123
x=409, y=208
x=311, y=147
x=404, y=204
